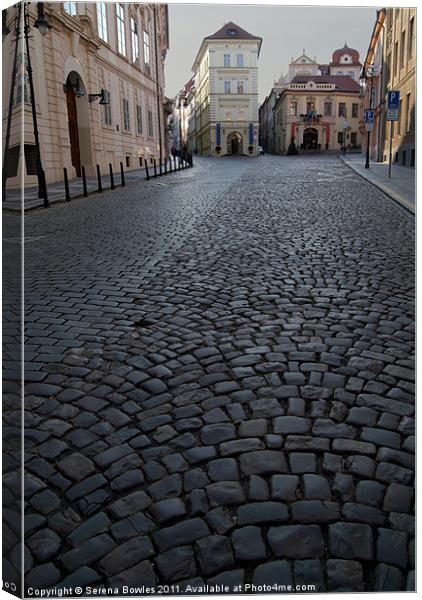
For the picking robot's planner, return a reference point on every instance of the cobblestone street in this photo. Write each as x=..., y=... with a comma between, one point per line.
x=220, y=378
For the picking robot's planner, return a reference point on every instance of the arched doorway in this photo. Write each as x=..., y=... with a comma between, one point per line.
x=310, y=139
x=234, y=143
x=78, y=122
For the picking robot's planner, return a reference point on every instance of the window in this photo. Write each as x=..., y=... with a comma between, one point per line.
x=135, y=39
x=293, y=109
x=339, y=73
x=402, y=48
x=70, y=8
x=407, y=122
x=396, y=56
x=102, y=21
x=139, y=119
x=107, y=109
x=342, y=109
x=410, y=37
x=351, y=74
x=328, y=109
x=146, y=48
x=340, y=137
x=231, y=32
x=126, y=116
x=240, y=87
x=239, y=60
x=150, y=126
x=120, y=17
x=353, y=138
x=355, y=110
x=227, y=87
x=227, y=60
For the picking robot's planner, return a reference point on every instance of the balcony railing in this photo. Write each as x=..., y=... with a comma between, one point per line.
x=311, y=118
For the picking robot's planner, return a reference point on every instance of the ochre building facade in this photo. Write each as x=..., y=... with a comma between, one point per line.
x=119, y=48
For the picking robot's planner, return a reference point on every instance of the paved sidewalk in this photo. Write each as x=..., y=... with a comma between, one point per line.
x=401, y=187
x=56, y=191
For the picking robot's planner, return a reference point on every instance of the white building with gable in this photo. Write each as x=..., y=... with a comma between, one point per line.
x=226, y=98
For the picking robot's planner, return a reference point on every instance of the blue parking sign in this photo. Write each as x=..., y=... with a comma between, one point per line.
x=369, y=116
x=393, y=99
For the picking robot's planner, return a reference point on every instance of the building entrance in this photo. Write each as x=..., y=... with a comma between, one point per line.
x=78, y=123
x=234, y=143
x=72, y=117
x=310, y=139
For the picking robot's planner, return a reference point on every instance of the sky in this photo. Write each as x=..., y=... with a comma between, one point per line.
x=286, y=31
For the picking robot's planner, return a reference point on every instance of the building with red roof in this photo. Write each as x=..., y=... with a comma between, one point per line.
x=314, y=106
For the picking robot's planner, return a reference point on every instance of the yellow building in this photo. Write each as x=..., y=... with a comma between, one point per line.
x=316, y=112
x=89, y=47
x=400, y=61
x=226, y=97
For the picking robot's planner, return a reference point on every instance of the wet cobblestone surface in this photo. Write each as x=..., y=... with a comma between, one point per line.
x=220, y=381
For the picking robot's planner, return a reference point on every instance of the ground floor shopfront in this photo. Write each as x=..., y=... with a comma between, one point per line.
x=324, y=136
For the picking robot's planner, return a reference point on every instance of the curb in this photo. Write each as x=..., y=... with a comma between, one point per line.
x=397, y=198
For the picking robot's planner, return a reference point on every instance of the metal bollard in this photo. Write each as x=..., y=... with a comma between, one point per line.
x=84, y=183
x=122, y=175
x=110, y=168
x=66, y=185
x=170, y=170
x=147, y=171
x=165, y=166
x=160, y=170
x=155, y=168
x=100, y=187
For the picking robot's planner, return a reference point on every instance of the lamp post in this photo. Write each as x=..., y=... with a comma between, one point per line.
x=6, y=31
x=42, y=25
x=365, y=76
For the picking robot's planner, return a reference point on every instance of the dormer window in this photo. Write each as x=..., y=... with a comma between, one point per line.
x=231, y=32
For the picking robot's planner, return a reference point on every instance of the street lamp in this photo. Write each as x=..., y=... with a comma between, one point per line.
x=42, y=25
x=365, y=77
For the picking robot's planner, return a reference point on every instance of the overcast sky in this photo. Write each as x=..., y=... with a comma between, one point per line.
x=285, y=30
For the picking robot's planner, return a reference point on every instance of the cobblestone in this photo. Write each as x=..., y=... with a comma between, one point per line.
x=210, y=380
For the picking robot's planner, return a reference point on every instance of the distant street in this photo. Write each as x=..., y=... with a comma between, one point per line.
x=220, y=381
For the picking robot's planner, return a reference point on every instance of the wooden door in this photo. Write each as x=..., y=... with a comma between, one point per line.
x=73, y=129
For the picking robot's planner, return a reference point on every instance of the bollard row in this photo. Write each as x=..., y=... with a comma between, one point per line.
x=99, y=187
x=169, y=165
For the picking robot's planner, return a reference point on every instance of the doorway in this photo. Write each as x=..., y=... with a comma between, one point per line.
x=234, y=144
x=72, y=117
x=310, y=139
x=78, y=116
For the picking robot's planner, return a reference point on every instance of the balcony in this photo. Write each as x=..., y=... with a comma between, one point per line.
x=311, y=118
